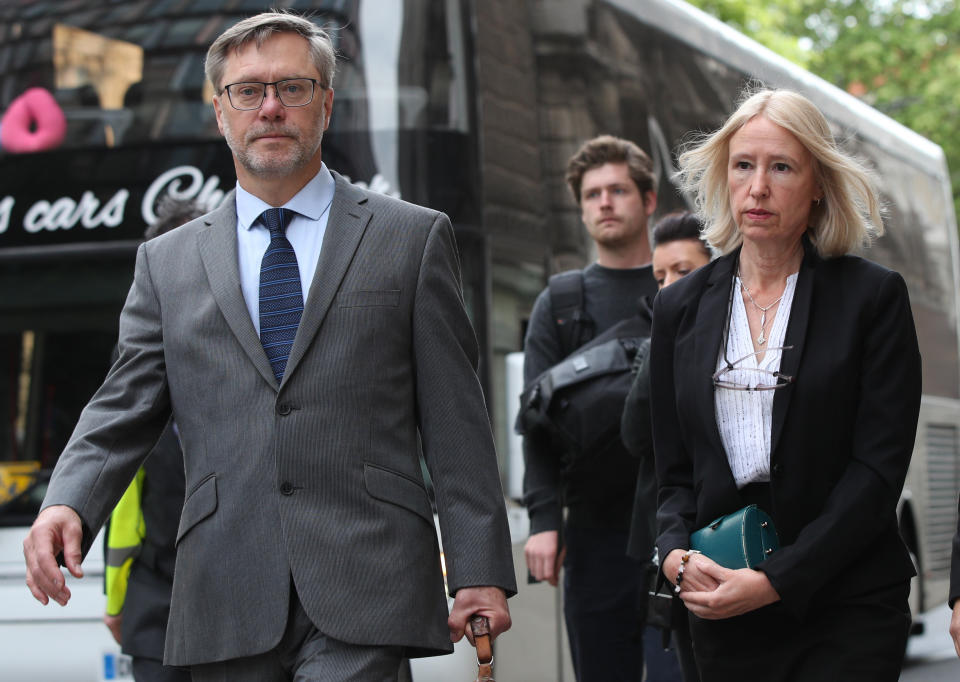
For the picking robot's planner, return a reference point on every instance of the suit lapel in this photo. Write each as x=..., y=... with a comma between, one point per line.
x=710, y=327
x=795, y=336
x=218, y=252
x=348, y=219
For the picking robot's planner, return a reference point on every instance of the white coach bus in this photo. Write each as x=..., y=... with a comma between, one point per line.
x=468, y=106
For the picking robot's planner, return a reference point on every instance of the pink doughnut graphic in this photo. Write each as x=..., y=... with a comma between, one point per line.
x=38, y=109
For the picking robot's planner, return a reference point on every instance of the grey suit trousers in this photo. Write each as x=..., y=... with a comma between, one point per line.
x=305, y=654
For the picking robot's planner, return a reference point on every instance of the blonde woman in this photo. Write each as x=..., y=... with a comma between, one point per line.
x=786, y=374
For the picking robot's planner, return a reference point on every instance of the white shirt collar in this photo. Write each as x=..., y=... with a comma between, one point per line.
x=310, y=201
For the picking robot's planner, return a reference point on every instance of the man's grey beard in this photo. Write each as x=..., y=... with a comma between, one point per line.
x=267, y=167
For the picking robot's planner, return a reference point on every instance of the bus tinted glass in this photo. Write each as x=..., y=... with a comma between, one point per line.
x=139, y=124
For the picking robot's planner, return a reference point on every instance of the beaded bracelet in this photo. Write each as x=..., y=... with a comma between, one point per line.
x=683, y=562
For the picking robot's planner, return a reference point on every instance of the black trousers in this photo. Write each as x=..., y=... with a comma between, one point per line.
x=857, y=639
x=604, y=590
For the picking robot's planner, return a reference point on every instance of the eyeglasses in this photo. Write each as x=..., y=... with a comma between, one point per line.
x=292, y=92
x=752, y=378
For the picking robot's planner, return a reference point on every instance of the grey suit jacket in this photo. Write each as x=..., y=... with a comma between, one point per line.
x=317, y=479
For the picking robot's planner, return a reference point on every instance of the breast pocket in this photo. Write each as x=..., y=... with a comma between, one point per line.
x=369, y=298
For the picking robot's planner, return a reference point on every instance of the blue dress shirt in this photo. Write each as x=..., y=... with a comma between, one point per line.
x=306, y=229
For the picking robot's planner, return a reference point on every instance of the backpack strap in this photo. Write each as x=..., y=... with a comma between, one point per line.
x=573, y=326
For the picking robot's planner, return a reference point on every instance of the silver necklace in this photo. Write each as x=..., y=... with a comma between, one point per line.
x=762, y=339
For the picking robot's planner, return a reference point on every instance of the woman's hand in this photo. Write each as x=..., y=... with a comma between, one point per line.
x=695, y=579
x=738, y=591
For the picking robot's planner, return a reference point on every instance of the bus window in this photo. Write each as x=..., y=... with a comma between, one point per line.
x=46, y=378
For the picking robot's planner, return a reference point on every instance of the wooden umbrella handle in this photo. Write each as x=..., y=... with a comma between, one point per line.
x=480, y=626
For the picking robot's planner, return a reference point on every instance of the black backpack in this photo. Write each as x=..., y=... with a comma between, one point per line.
x=573, y=326
x=578, y=403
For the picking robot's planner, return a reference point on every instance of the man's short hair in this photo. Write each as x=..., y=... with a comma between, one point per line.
x=260, y=27
x=609, y=149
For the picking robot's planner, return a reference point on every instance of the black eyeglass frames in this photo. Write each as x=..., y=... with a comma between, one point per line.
x=765, y=379
x=292, y=92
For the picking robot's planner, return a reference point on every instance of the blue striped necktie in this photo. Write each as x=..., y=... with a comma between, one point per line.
x=281, y=297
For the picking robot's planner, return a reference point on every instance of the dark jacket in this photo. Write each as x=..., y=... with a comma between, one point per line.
x=597, y=492
x=842, y=433
x=637, y=435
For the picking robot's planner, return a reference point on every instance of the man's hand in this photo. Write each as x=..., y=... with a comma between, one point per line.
x=955, y=626
x=56, y=529
x=543, y=558
x=482, y=601
x=739, y=591
x=114, y=624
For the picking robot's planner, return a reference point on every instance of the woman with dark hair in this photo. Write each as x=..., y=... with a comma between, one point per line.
x=678, y=247
x=786, y=374
x=678, y=250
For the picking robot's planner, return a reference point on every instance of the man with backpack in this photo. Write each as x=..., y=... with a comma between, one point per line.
x=584, y=469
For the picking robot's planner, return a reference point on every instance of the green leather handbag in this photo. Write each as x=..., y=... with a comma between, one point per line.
x=739, y=540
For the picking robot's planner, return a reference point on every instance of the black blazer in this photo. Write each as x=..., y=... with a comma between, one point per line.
x=842, y=433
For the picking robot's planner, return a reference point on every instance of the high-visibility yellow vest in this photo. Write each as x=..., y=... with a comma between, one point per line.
x=125, y=535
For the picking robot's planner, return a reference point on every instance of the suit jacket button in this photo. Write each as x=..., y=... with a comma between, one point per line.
x=777, y=469
x=283, y=409
x=286, y=488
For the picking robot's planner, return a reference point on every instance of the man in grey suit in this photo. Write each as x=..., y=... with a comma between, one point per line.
x=309, y=339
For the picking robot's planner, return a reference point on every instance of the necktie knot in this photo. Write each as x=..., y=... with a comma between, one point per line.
x=276, y=220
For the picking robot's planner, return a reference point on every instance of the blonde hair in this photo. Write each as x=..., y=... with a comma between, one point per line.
x=846, y=218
